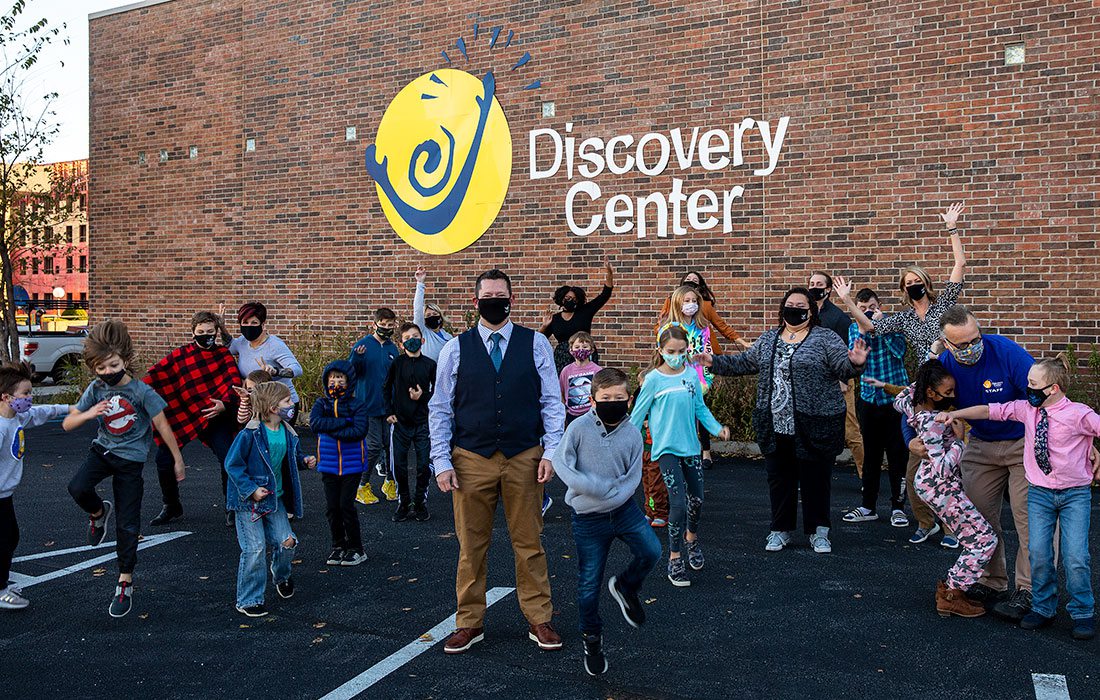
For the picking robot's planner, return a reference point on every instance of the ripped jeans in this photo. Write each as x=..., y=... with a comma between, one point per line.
x=683, y=478
x=254, y=537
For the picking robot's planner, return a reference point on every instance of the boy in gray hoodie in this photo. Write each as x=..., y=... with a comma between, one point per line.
x=600, y=461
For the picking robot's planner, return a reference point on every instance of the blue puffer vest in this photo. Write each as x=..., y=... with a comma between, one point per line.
x=341, y=427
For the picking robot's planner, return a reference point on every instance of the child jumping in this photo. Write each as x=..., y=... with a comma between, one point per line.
x=939, y=484
x=127, y=411
x=672, y=399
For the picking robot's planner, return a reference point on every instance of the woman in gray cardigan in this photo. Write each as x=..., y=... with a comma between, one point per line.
x=799, y=414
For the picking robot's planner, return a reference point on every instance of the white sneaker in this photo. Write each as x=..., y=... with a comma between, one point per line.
x=777, y=540
x=820, y=541
x=11, y=598
x=899, y=519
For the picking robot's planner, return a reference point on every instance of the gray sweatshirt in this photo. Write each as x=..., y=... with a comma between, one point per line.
x=601, y=469
x=13, y=442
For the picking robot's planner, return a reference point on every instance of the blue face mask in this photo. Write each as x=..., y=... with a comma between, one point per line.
x=413, y=344
x=22, y=404
x=287, y=414
x=1035, y=397
x=674, y=361
x=970, y=354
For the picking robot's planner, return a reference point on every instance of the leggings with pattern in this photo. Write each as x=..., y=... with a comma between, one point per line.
x=942, y=490
x=684, y=479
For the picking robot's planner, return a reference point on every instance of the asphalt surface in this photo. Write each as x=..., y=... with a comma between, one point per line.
x=857, y=623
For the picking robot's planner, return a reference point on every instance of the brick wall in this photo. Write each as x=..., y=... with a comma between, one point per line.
x=897, y=108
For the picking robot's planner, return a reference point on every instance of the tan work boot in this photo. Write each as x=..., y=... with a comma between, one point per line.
x=952, y=601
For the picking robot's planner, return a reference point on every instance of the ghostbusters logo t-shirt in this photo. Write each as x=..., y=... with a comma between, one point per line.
x=125, y=430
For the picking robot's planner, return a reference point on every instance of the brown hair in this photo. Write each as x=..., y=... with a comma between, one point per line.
x=267, y=396
x=202, y=317
x=609, y=377
x=106, y=339
x=669, y=332
x=384, y=313
x=407, y=326
x=581, y=335
x=1056, y=371
x=259, y=376
x=12, y=374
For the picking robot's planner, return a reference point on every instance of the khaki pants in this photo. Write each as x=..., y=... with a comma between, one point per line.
x=988, y=469
x=853, y=439
x=481, y=483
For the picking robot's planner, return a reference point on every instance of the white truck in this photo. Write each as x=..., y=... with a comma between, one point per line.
x=51, y=353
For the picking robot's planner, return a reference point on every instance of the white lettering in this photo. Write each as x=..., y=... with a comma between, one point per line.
x=707, y=150
x=593, y=191
x=594, y=144
x=773, y=147
x=613, y=214
x=625, y=140
x=658, y=201
x=662, y=161
x=695, y=208
x=537, y=174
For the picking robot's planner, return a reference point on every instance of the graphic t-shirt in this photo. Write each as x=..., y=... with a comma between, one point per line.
x=576, y=387
x=125, y=430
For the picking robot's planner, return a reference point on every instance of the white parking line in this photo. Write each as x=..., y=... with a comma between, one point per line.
x=405, y=654
x=25, y=581
x=1050, y=686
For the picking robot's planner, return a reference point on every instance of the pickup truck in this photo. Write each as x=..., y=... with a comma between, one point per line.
x=51, y=353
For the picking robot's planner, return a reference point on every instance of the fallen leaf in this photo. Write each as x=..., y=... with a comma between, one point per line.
x=50, y=543
x=144, y=616
x=405, y=609
x=317, y=640
x=207, y=578
x=731, y=577
x=566, y=556
x=244, y=627
x=394, y=578
x=98, y=572
x=427, y=637
x=295, y=561
x=858, y=595
x=650, y=601
x=413, y=580
x=319, y=625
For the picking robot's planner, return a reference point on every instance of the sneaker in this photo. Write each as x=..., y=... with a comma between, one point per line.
x=1016, y=607
x=352, y=558
x=257, y=610
x=677, y=572
x=97, y=527
x=899, y=519
x=708, y=464
x=820, y=541
x=988, y=597
x=286, y=588
x=420, y=513
x=389, y=489
x=629, y=604
x=658, y=522
x=365, y=495
x=695, y=555
x=949, y=542
x=860, y=514
x=921, y=534
x=1084, y=629
x=1035, y=621
x=122, y=600
x=167, y=514
x=401, y=514
x=595, y=663
x=777, y=540
x=335, y=557
x=11, y=598
x=546, y=503
x=545, y=636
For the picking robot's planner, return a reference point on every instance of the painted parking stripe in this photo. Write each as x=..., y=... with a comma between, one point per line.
x=405, y=654
x=25, y=581
x=1050, y=686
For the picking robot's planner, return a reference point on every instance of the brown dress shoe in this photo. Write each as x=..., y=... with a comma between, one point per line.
x=952, y=601
x=545, y=636
x=463, y=638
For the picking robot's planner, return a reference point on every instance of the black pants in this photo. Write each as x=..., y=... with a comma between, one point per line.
x=416, y=436
x=128, y=486
x=9, y=538
x=786, y=474
x=219, y=435
x=343, y=519
x=882, y=435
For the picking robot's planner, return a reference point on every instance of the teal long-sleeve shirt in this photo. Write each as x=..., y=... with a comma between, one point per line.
x=672, y=403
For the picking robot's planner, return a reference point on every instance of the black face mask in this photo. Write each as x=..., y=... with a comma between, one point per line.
x=818, y=293
x=944, y=404
x=693, y=285
x=434, y=322
x=251, y=333
x=569, y=305
x=112, y=378
x=611, y=412
x=494, y=309
x=916, y=292
x=384, y=333
x=795, y=316
x=205, y=341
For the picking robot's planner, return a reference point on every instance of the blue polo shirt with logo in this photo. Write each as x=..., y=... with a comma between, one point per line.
x=998, y=377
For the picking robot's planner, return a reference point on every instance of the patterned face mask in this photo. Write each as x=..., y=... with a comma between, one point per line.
x=970, y=354
x=22, y=404
x=674, y=361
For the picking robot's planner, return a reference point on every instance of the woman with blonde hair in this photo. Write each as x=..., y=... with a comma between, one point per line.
x=431, y=319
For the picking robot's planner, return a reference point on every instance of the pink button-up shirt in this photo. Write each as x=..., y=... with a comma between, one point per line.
x=1069, y=437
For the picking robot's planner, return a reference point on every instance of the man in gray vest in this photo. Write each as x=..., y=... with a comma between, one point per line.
x=495, y=420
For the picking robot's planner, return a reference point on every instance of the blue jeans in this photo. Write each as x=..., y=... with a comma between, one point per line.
x=1070, y=510
x=254, y=537
x=594, y=533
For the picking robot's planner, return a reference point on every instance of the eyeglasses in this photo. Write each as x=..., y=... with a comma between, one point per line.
x=964, y=346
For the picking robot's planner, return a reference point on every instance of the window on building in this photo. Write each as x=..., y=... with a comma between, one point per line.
x=68, y=234
x=23, y=266
x=83, y=203
x=84, y=296
x=47, y=266
x=83, y=234
x=83, y=263
x=69, y=264
x=34, y=267
x=34, y=296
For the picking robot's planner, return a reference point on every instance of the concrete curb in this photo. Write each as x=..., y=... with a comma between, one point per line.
x=751, y=449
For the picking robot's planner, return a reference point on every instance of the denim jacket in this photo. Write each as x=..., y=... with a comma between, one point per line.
x=249, y=467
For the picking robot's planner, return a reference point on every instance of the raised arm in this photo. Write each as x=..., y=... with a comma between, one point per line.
x=418, y=299
x=738, y=364
x=950, y=219
x=843, y=289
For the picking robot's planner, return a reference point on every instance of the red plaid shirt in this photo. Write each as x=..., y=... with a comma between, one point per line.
x=188, y=378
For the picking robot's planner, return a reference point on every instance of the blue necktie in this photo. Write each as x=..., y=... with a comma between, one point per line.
x=494, y=354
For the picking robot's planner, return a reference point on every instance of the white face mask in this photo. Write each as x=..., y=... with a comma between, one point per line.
x=690, y=308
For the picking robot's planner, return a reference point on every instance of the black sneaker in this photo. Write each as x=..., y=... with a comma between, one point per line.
x=167, y=514
x=257, y=610
x=401, y=514
x=629, y=603
x=97, y=527
x=595, y=663
x=122, y=600
x=1015, y=607
x=285, y=588
x=336, y=557
x=420, y=513
x=708, y=464
x=352, y=557
x=1035, y=621
x=695, y=555
x=983, y=594
x=677, y=572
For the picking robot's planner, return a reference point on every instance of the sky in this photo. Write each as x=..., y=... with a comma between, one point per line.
x=70, y=80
